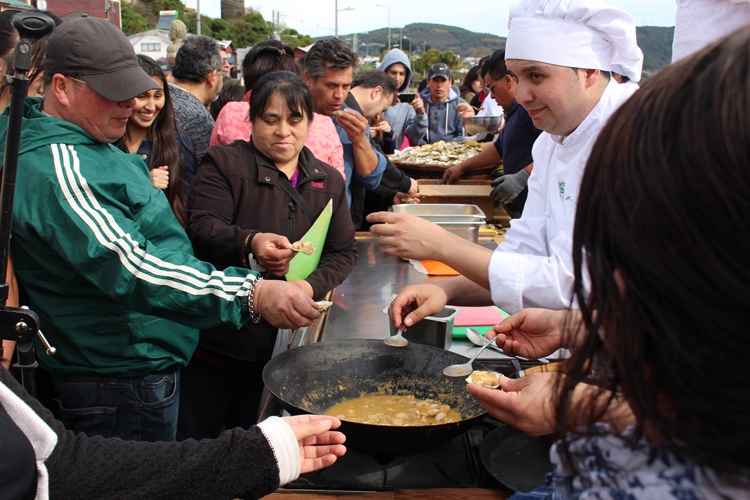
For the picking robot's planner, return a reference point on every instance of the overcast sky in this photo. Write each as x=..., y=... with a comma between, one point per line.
x=318, y=17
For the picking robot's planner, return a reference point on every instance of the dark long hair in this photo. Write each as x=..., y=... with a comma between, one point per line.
x=164, y=147
x=663, y=228
x=471, y=76
x=265, y=57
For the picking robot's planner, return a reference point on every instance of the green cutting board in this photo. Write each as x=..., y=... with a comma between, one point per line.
x=459, y=332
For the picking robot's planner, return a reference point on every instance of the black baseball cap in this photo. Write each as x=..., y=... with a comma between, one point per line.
x=97, y=52
x=439, y=69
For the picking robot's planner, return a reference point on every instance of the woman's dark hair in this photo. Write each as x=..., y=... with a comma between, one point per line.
x=8, y=39
x=265, y=57
x=663, y=230
x=164, y=147
x=232, y=90
x=291, y=87
x=471, y=76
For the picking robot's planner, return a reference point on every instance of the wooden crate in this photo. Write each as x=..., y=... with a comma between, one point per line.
x=467, y=192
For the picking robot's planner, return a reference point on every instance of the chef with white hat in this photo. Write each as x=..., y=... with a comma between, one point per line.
x=561, y=52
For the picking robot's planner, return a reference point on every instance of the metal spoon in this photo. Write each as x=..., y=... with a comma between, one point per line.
x=465, y=369
x=478, y=339
x=397, y=340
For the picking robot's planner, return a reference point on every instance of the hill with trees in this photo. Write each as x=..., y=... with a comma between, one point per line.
x=433, y=42
x=655, y=41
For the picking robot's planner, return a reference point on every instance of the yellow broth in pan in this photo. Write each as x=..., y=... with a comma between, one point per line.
x=399, y=411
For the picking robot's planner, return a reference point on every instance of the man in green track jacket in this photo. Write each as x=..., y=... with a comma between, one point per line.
x=105, y=263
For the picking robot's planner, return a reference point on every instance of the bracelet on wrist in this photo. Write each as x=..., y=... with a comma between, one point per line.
x=251, y=302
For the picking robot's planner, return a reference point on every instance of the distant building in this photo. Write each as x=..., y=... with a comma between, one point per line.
x=232, y=9
x=14, y=5
x=152, y=43
x=106, y=9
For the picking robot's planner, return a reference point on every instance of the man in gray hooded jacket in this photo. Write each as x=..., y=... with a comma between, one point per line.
x=444, y=108
x=406, y=119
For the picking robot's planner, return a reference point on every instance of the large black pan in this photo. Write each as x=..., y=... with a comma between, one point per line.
x=312, y=378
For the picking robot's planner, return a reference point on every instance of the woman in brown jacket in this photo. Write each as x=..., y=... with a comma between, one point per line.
x=249, y=201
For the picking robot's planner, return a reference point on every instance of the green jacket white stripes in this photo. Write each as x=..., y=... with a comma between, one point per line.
x=106, y=265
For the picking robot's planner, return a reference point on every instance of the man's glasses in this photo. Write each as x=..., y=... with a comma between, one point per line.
x=488, y=88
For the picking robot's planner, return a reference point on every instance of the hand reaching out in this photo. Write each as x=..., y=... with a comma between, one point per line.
x=319, y=444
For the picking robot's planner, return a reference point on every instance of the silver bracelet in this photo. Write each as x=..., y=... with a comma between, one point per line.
x=251, y=302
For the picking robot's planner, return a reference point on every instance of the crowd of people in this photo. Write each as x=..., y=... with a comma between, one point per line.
x=162, y=266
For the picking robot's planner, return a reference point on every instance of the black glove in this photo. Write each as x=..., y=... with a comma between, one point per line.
x=507, y=187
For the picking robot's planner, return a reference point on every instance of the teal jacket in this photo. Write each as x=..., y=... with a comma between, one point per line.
x=106, y=265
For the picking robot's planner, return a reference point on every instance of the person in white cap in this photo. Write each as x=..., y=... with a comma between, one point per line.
x=103, y=259
x=561, y=53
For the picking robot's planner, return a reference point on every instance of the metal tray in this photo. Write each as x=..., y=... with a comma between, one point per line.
x=449, y=210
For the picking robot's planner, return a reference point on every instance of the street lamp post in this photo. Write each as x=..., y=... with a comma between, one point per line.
x=407, y=38
x=336, y=35
x=387, y=45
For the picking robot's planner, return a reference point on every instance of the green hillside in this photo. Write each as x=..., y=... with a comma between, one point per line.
x=655, y=41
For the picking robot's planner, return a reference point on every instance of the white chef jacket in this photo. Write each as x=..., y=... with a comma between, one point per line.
x=700, y=22
x=533, y=267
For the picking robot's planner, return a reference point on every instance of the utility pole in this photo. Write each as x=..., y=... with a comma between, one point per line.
x=336, y=35
x=387, y=45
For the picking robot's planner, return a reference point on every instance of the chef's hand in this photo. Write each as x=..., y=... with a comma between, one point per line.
x=273, y=252
x=406, y=236
x=284, y=305
x=418, y=105
x=319, y=445
x=508, y=187
x=453, y=174
x=531, y=333
x=415, y=303
x=160, y=177
x=526, y=403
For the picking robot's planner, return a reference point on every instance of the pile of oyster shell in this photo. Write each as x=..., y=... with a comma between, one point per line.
x=441, y=153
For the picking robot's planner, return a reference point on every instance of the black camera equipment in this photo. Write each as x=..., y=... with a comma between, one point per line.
x=19, y=324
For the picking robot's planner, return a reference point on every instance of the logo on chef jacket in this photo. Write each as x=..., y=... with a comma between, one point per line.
x=561, y=187
x=318, y=185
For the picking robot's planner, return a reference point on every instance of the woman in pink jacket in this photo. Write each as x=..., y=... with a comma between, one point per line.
x=233, y=122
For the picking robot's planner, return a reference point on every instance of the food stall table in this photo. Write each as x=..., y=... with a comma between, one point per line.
x=449, y=470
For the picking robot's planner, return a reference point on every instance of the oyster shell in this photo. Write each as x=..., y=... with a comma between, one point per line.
x=491, y=380
x=303, y=246
x=441, y=153
x=323, y=305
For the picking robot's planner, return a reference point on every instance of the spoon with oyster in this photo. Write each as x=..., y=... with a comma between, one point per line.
x=464, y=369
x=303, y=246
